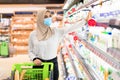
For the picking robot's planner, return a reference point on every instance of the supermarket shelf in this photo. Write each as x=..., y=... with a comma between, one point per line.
x=4, y=31
x=23, y=23
x=110, y=53
x=22, y=16
x=21, y=51
x=65, y=74
x=20, y=43
x=100, y=3
x=6, y=35
x=89, y=71
x=87, y=4
x=83, y=6
x=82, y=63
x=115, y=26
x=110, y=60
x=71, y=61
x=115, y=52
x=21, y=26
x=19, y=35
x=20, y=29
x=4, y=27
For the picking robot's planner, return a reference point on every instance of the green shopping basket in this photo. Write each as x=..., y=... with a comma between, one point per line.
x=4, y=49
x=27, y=72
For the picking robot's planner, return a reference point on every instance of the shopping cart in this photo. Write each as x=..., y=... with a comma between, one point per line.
x=25, y=71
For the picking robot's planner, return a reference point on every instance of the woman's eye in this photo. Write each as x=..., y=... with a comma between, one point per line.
x=46, y=16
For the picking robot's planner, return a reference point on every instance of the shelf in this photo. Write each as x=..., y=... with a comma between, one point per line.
x=21, y=52
x=6, y=35
x=4, y=27
x=20, y=35
x=91, y=73
x=20, y=43
x=72, y=63
x=23, y=16
x=114, y=52
x=65, y=74
x=84, y=65
x=83, y=6
x=115, y=26
x=4, y=31
x=21, y=29
x=87, y=74
x=24, y=23
x=110, y=60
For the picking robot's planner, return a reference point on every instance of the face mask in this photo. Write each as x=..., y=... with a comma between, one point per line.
x=48, y=21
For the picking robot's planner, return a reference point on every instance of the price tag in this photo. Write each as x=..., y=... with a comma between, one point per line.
x=71, y=77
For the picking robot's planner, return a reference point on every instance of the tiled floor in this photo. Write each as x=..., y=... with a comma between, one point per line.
x=6, y=65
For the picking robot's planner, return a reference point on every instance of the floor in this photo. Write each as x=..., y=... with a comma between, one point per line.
x=6, y=65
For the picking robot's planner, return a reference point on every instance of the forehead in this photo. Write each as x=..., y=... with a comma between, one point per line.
x=47, y=11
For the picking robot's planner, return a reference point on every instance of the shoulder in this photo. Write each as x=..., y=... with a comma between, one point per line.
x=58, y=31
x=33, y=33
x=54, y=29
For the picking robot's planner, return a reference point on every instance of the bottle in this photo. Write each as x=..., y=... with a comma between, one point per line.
x=105, y=75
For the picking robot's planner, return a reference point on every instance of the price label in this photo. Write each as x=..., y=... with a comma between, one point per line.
x=71, y=77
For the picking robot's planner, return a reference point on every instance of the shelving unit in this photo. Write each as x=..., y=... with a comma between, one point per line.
x=73, y=66
x=4, y=29
x=21, y=27
x=96, y=47
x=110, y=60
x=88, y=60
x=86, y=69
x=64, y=73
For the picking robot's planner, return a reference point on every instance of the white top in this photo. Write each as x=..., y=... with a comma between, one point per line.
x=47, y=49
x=55, y=24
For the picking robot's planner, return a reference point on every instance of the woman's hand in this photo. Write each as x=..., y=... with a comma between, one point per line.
x=37, y=62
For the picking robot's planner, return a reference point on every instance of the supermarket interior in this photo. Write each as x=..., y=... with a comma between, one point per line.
x=89, y=49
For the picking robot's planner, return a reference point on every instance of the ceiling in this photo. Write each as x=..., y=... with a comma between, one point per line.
x=7, y=6
x=31, y=1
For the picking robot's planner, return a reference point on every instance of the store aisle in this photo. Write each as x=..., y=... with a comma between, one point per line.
x=6, y=64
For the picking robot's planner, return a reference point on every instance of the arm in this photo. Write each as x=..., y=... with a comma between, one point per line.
x=32, y=56
x=30, y=48
x=75, y=26
x=71, y=27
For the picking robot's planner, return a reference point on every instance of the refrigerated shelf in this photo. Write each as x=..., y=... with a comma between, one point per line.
x=110, y=60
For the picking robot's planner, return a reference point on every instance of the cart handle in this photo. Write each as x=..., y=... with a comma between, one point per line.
x=29, y=65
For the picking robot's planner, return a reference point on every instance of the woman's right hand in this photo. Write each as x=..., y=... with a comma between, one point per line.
x=37, y=62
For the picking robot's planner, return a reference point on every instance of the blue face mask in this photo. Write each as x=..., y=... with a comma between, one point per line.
x=48, y=21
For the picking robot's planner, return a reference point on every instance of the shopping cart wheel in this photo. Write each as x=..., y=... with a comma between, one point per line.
x=12, y=75
x=51, y=75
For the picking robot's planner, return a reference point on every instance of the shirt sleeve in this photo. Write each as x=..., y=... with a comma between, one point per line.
x=30, y=48
x=70, y=27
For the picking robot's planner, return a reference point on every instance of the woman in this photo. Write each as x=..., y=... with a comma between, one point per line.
x=44, y=40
